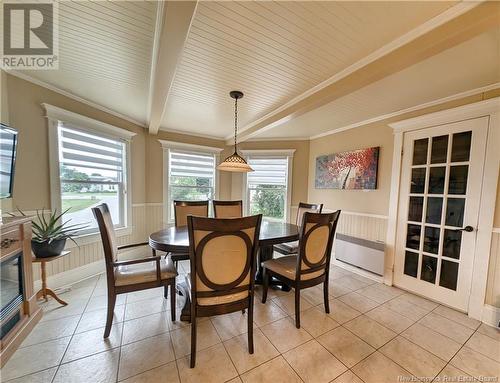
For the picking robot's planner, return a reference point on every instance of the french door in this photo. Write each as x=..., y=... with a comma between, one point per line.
x=441, y=179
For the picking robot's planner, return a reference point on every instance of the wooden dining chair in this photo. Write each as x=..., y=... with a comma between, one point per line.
x=125, y=276
x=312, y=264
x=222, y=257
x=182, y=209
x=290, y=248
x=228, y=209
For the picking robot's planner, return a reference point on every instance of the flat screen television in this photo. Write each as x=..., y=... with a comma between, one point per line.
x=8, y=145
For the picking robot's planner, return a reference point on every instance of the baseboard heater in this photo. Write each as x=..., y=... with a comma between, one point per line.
x=359, y=252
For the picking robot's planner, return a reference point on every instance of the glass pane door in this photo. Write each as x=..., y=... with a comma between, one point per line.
x=439, y=189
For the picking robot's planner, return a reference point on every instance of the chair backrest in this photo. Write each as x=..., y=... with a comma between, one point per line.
x=228, y=209
x=184, y=208
x=107, y=230
x=223, y=257
x=315, y=244
x=307, y=207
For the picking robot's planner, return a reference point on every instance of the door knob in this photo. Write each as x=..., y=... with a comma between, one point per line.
x=466, y=228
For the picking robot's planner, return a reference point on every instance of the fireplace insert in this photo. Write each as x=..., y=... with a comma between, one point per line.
x=11, y=292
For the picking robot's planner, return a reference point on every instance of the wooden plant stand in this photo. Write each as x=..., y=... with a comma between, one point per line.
x=45, y=292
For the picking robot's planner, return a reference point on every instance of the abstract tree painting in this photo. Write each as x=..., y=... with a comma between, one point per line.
x=353, y=170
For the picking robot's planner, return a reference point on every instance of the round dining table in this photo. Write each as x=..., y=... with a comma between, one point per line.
x=175, y=240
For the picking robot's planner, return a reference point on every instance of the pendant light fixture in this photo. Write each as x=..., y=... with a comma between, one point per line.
x=235, y=163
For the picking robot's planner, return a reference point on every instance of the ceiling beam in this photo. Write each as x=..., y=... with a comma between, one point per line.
x=460, y=28
x=175, y=24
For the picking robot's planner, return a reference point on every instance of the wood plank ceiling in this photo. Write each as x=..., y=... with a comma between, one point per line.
x=105, y=51
x=275, y=51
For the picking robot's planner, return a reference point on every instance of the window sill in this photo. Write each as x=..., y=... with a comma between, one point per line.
x=89, y=238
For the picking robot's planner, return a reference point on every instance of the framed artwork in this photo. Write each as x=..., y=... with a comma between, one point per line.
x=352, y=170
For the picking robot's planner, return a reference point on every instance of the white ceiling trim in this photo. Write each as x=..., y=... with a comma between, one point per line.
x=154, y=56
x=74, y=97
x=184, y=133
x=278, y=139
x=438, y=101
x=415, y=33
x=183, y=146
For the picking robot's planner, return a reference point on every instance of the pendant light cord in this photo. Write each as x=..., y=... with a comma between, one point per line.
x=235, y=121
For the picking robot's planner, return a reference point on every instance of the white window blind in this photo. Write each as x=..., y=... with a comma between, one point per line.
x=92, y=171
x=267, y=187
x=191, y=177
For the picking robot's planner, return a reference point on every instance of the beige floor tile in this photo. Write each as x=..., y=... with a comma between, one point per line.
x=166, y=373
x=447, y=327
x=430, y=340
x=145, y=294
x=145, y=307
x=72, y=294
x=237, y=348
x=348, y=377
x=98, y=368
x=353, y=283
x=316, y=322
x=212, y=366
x=287, y=304
x=235, y=380
x=337, y=289
x=475, y=363
x=28, y=360
x=345, y=346
x=484, y=345
x=274, y=371
x=370, y=331
x=413, y=358
x=140, y=328
x=272, y=292
x=144, y=355
x=314, y=295
x=423, y=303
x=101, y=302
x=390, y=319
x=452, y=374
x=377, y=368
x=53, y=329
x=341, y=313
x=490, y=331
x=314, y=363
x=97, y=319
x=55, y=311
x=284, y=335
x=457, y=316
x=368, y=281
x=380, y=293
x=406, y=309
x=358, y=302
x=92, y=342
x=337, y=272
x=206, y=337
x=265, y=313
x=45, y=376
x=231, y=325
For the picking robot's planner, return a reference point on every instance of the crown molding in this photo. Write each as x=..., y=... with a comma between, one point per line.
x=72, y=96
x=184, y=133
x=268, y=152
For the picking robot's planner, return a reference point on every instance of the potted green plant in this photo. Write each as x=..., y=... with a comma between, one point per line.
x=50, y=233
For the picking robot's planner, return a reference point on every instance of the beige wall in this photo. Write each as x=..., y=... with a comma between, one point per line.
x=31, y=183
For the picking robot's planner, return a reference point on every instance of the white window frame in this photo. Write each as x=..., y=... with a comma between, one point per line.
x=275, y=153
x=167, y=146
x=55, y=116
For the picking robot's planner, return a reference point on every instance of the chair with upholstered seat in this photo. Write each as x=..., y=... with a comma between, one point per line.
x=311, y=266
x=182, y=209
x=222, y=257
x=127, y=275
x=290, y=248
x=228, y=209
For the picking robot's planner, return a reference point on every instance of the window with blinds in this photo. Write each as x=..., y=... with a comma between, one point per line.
x=92, y=171
x=191, y=177
x=267, y=187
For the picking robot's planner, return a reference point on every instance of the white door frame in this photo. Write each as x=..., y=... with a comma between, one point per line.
x=489, y=108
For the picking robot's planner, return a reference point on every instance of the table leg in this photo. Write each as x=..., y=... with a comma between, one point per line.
x=182, y=289
x=266, y=253
x=45, y=292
